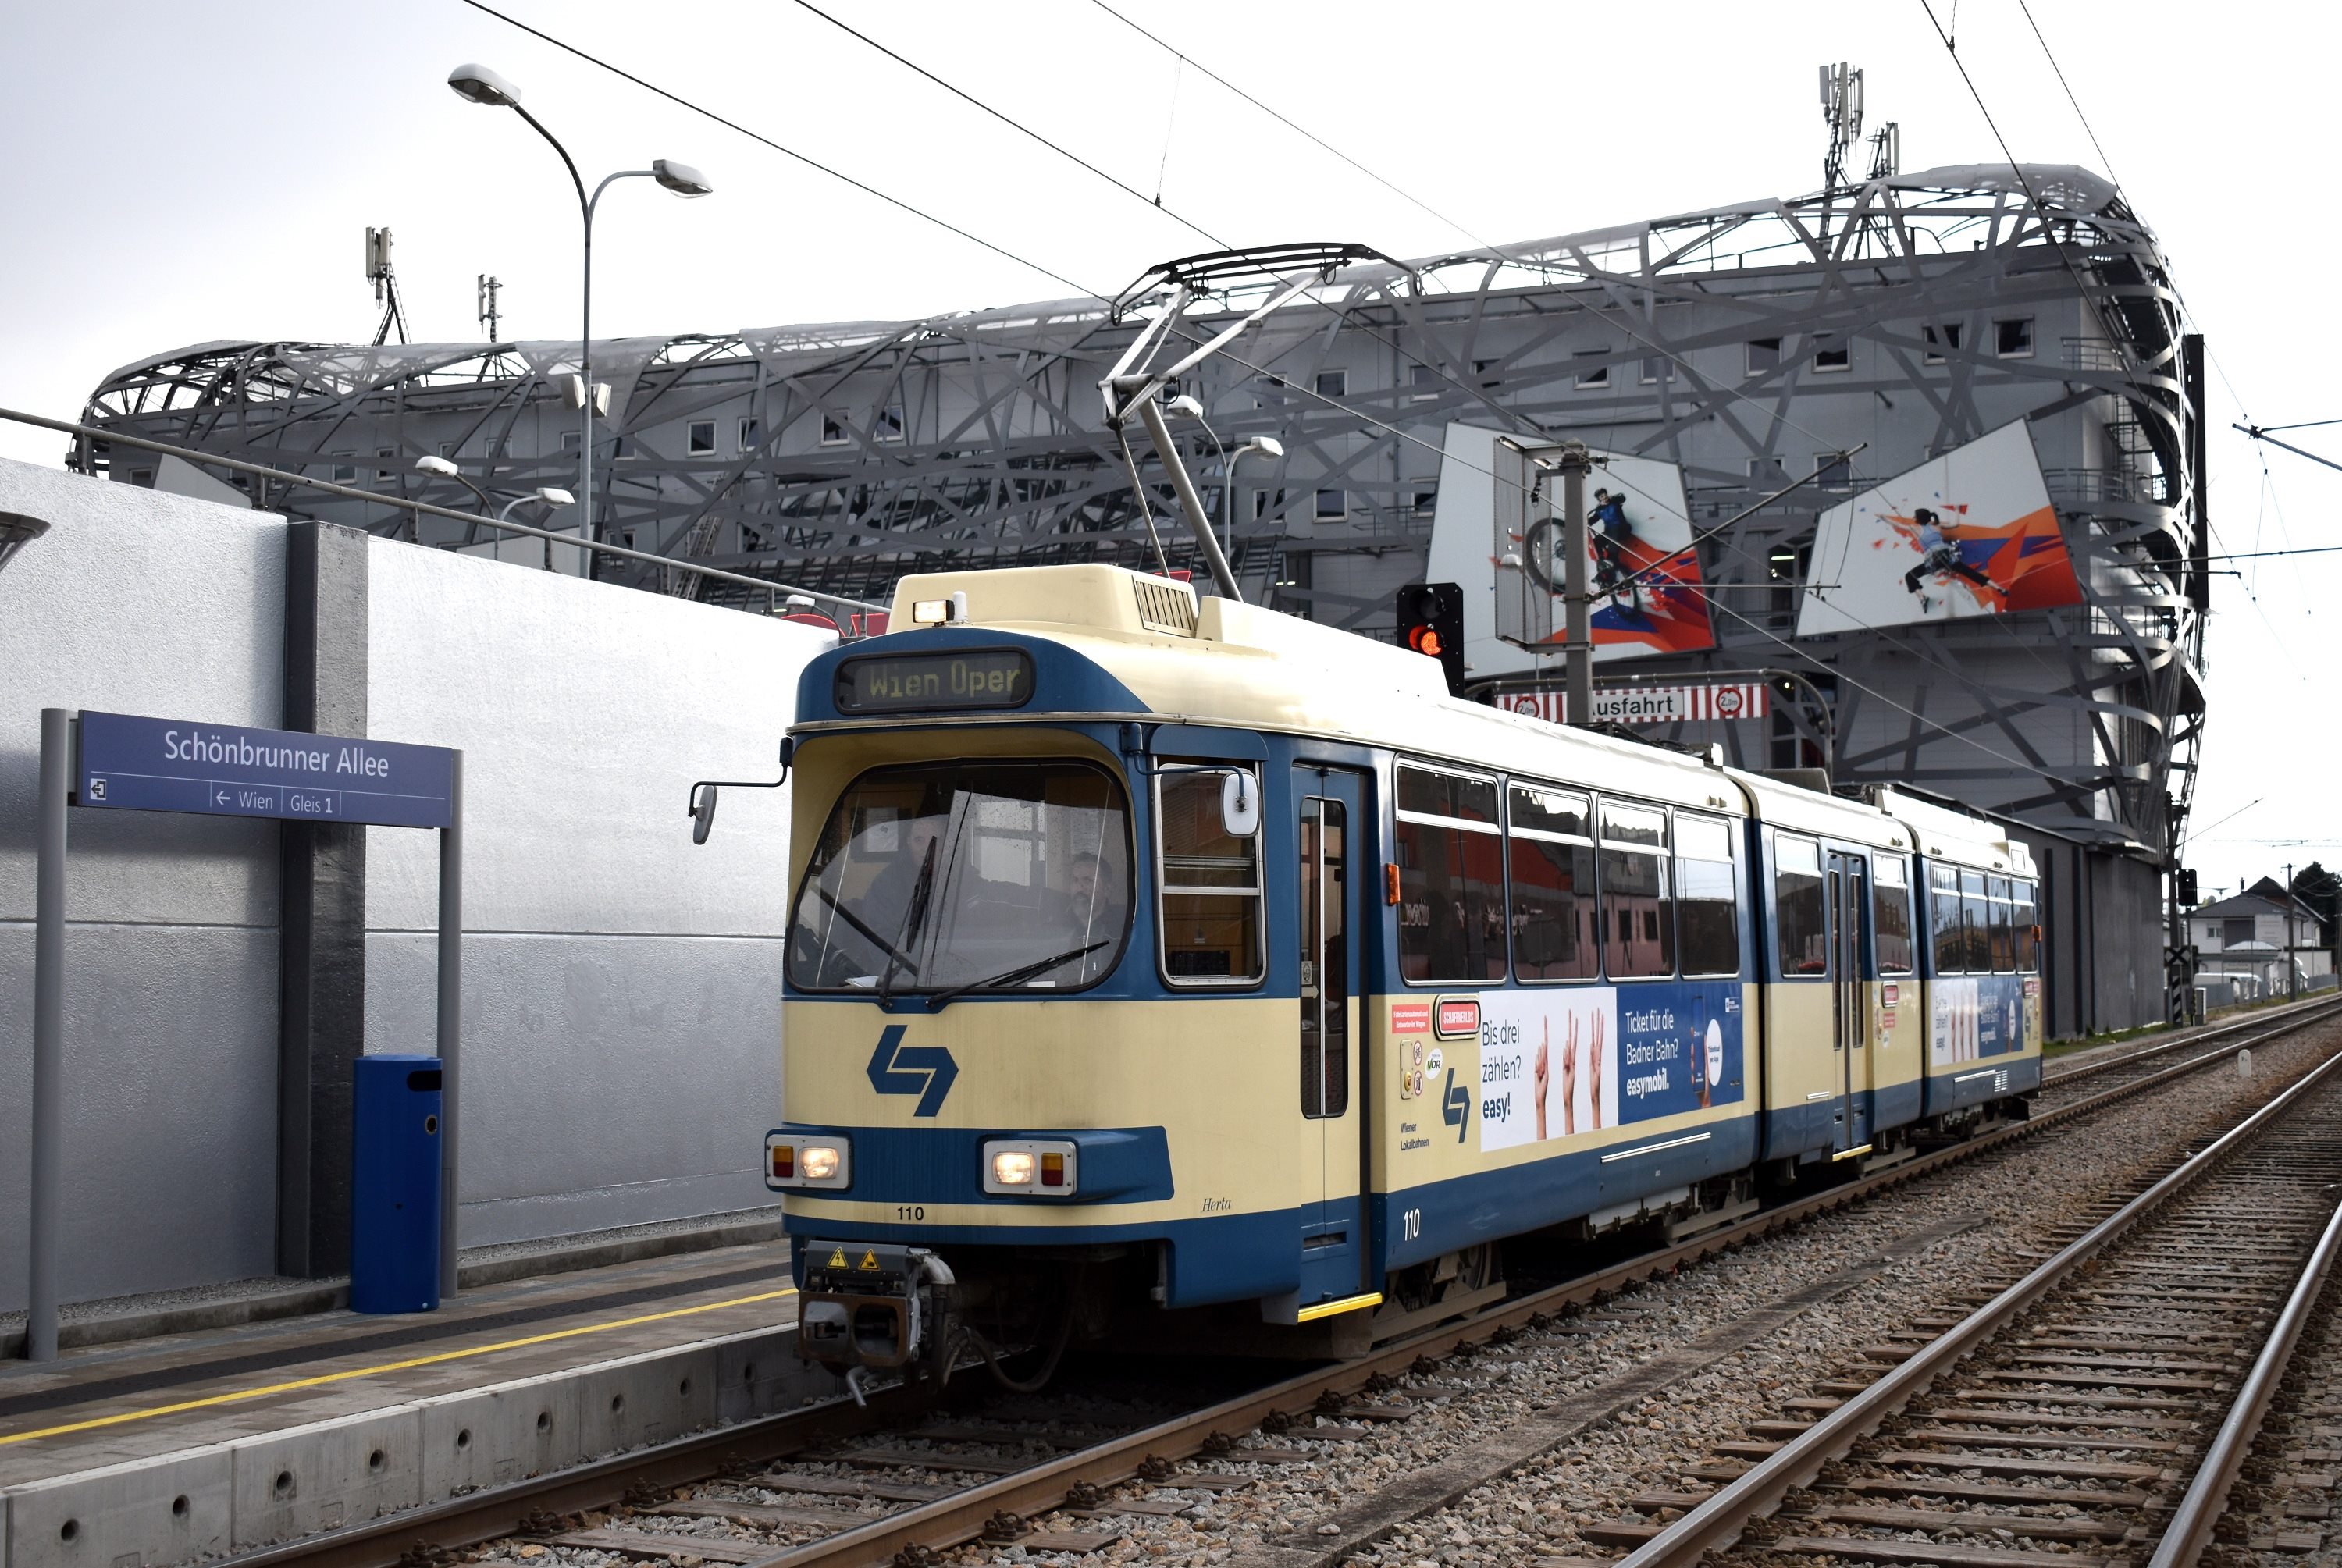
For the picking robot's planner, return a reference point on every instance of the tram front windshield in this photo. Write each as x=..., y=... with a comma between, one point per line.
x=967, y=876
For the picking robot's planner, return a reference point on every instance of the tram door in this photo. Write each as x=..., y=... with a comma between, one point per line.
x=1850, y=1032
x=1333, y=1238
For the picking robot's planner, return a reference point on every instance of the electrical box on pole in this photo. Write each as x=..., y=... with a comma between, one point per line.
x=1431, y=622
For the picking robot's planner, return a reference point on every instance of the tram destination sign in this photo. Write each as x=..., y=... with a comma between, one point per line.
x=134, y=764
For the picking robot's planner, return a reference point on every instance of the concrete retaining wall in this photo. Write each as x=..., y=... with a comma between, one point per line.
x=622, y=996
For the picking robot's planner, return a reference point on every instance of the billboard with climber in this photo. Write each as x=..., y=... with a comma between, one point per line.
x=1969, y=533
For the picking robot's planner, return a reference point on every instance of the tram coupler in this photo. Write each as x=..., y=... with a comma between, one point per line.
x=869, y=1305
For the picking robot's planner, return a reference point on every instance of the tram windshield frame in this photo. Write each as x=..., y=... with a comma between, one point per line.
x=967, y=876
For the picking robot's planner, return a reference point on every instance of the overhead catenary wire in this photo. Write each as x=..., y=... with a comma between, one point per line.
x=810, y=161
x=1356, y=414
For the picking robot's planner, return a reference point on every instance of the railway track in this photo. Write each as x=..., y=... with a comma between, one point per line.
x=894, y=1483
x=2062, y=1423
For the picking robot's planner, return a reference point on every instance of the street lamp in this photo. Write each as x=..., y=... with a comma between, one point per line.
x=479, y=85
x=1268, y=446
x=549, y=496
x=16, y=531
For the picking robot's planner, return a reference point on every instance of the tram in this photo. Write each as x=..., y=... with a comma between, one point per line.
x=1158, y=960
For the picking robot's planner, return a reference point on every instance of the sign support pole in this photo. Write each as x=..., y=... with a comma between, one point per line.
x=451, y=1020
x=48, y=1038
x=1577, y=636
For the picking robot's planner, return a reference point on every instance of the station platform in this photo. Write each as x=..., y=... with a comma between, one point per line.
x=163, y=1450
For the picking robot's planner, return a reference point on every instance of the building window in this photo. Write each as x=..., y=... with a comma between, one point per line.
x=1333, y=505
x=448, y=449
x=833, y=430
x=2013, y=339
x=1767, y=472
x=1764, y=356
x=1594, y=375
x=752, y=434
x=1424, y=382
x=1658, y=367
x=1830, y=353
x=345, y=474
x=1333, y=384
x=572, y=440
x=1940, y=338
x=145, y=476
x=1260, y=503
x=890, y=423
x=386, y=460
x=1426, y=501
x=699, y=438
x=1485, y=372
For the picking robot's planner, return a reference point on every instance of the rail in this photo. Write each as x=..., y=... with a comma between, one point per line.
x=1719, y=1520
x=498, y=1511
x=2190, y=1530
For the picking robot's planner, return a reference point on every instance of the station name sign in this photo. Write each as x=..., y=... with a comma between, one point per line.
x=134, y=764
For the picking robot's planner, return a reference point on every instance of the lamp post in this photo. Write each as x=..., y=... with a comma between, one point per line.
x=552, y=496
x=481, y=86
x=1268, y=446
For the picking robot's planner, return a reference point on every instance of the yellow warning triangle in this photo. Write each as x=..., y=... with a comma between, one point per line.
x=870, y=1261
x=838, y=1258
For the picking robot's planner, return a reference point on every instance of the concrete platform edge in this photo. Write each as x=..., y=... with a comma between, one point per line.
x=299, y=1300
x=274, y=1486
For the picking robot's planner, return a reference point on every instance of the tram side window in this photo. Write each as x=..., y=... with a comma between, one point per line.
x=1451, y=860
x=1976, y=924
x=1890, y=915
x=2028, y=918
x=1944, y=912
x=1211, y=886
x=1708, y=908
x=1799, y=915
x=2004, y=926
x=1554, y=914
x=1638, y=916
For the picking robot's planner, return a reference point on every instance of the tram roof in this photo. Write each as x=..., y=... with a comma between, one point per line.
x=1219, y=663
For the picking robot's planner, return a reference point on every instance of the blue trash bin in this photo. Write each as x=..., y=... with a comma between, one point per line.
x=394, y=1185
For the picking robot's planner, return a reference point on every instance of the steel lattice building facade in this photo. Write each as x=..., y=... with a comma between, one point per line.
x=1750, y=344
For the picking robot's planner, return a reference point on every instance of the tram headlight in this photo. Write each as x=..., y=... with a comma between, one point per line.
x=1030, y=1167
x=793, y=1160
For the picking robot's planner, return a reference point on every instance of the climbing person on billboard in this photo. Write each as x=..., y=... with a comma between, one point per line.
x=1940, y=550
x=1609, y=532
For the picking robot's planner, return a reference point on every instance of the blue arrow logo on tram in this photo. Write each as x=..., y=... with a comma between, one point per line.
x=927, y=1071
x=1455, y=1105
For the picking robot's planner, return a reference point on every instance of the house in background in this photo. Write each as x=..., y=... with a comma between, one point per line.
x=2255, y=932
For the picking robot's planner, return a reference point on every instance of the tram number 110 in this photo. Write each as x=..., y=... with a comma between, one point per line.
x=1410, y=1224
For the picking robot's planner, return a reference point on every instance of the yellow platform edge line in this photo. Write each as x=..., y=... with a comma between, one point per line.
x=330, y=1377
x=1334, y=1308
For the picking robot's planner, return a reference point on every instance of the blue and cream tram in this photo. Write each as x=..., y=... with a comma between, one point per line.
x=1151, y=953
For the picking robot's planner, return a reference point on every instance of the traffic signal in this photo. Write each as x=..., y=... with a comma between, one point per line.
x=1431, y=622
x=2183, y=888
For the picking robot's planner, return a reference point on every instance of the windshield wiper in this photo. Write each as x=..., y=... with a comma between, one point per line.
x=912, y=918
x=856, y=921
x=1022, y=972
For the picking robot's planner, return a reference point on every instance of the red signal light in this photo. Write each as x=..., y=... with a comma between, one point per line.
x=1425, y=640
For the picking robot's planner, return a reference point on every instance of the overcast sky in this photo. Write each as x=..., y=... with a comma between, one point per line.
x=181, y=173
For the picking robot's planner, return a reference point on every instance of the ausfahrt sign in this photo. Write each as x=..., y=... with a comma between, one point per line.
x=135, y=764
x=1650, y=704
